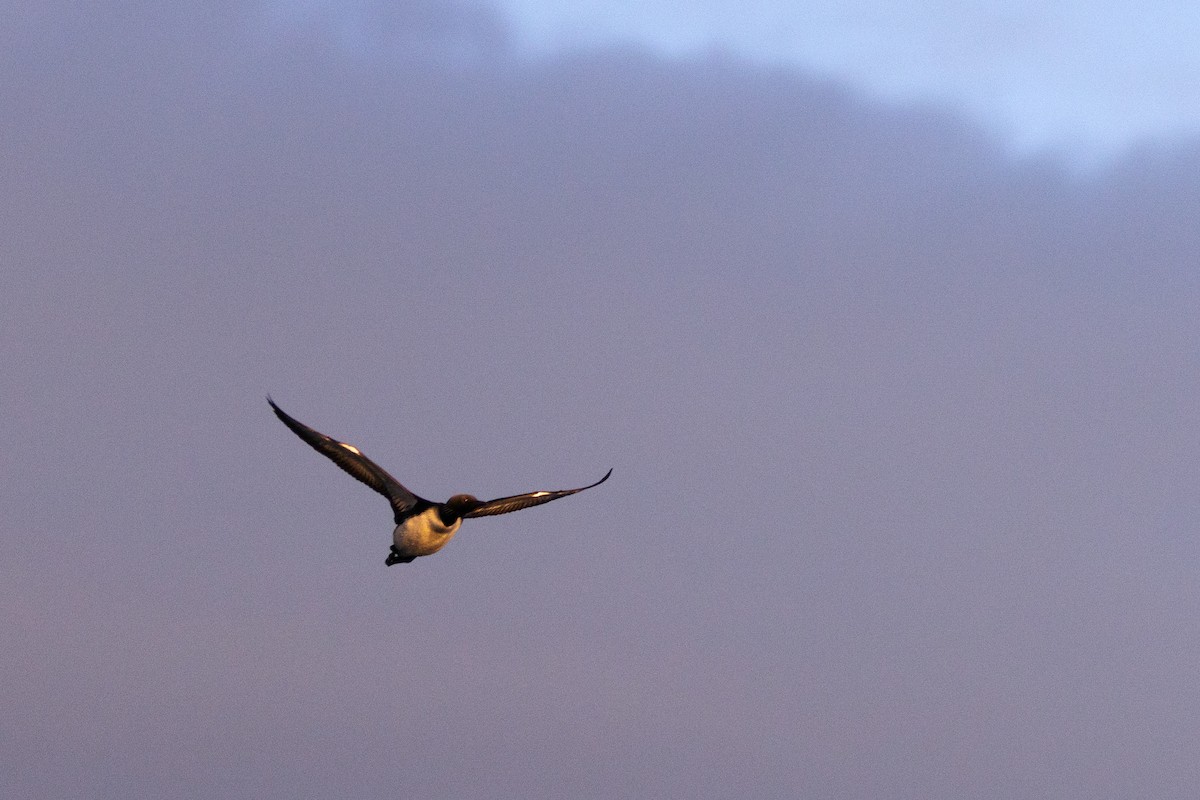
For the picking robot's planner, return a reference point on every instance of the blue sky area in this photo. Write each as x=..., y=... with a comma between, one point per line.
x=1088, y=78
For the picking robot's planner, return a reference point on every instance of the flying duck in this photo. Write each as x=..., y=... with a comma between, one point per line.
x=422, y=527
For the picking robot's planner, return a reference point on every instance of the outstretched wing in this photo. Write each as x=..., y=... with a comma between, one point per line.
x=351, y=459
x=503, y=505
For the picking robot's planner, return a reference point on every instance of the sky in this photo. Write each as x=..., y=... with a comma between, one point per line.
x=902, y=422
x=1085, y=80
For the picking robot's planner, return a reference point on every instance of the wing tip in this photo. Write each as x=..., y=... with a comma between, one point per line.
x=284, y=417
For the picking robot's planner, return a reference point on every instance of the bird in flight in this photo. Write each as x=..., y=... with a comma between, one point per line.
x=422, y=527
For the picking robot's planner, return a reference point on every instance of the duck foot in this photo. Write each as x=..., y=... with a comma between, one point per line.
x=394, y=557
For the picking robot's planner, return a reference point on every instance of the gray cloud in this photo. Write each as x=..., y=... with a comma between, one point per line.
x=902, y=429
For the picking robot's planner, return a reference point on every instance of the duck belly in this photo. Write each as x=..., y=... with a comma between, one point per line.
x=423, y=534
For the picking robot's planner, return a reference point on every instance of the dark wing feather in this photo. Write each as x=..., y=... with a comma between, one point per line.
x=351, y=459
x=504, y=505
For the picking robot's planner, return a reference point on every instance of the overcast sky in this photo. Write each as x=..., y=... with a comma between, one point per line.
x=1085, y=79
x=902, y=425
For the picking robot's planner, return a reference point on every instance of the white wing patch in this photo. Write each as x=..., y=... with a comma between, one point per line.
x=539, y=494
x=351, y=448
